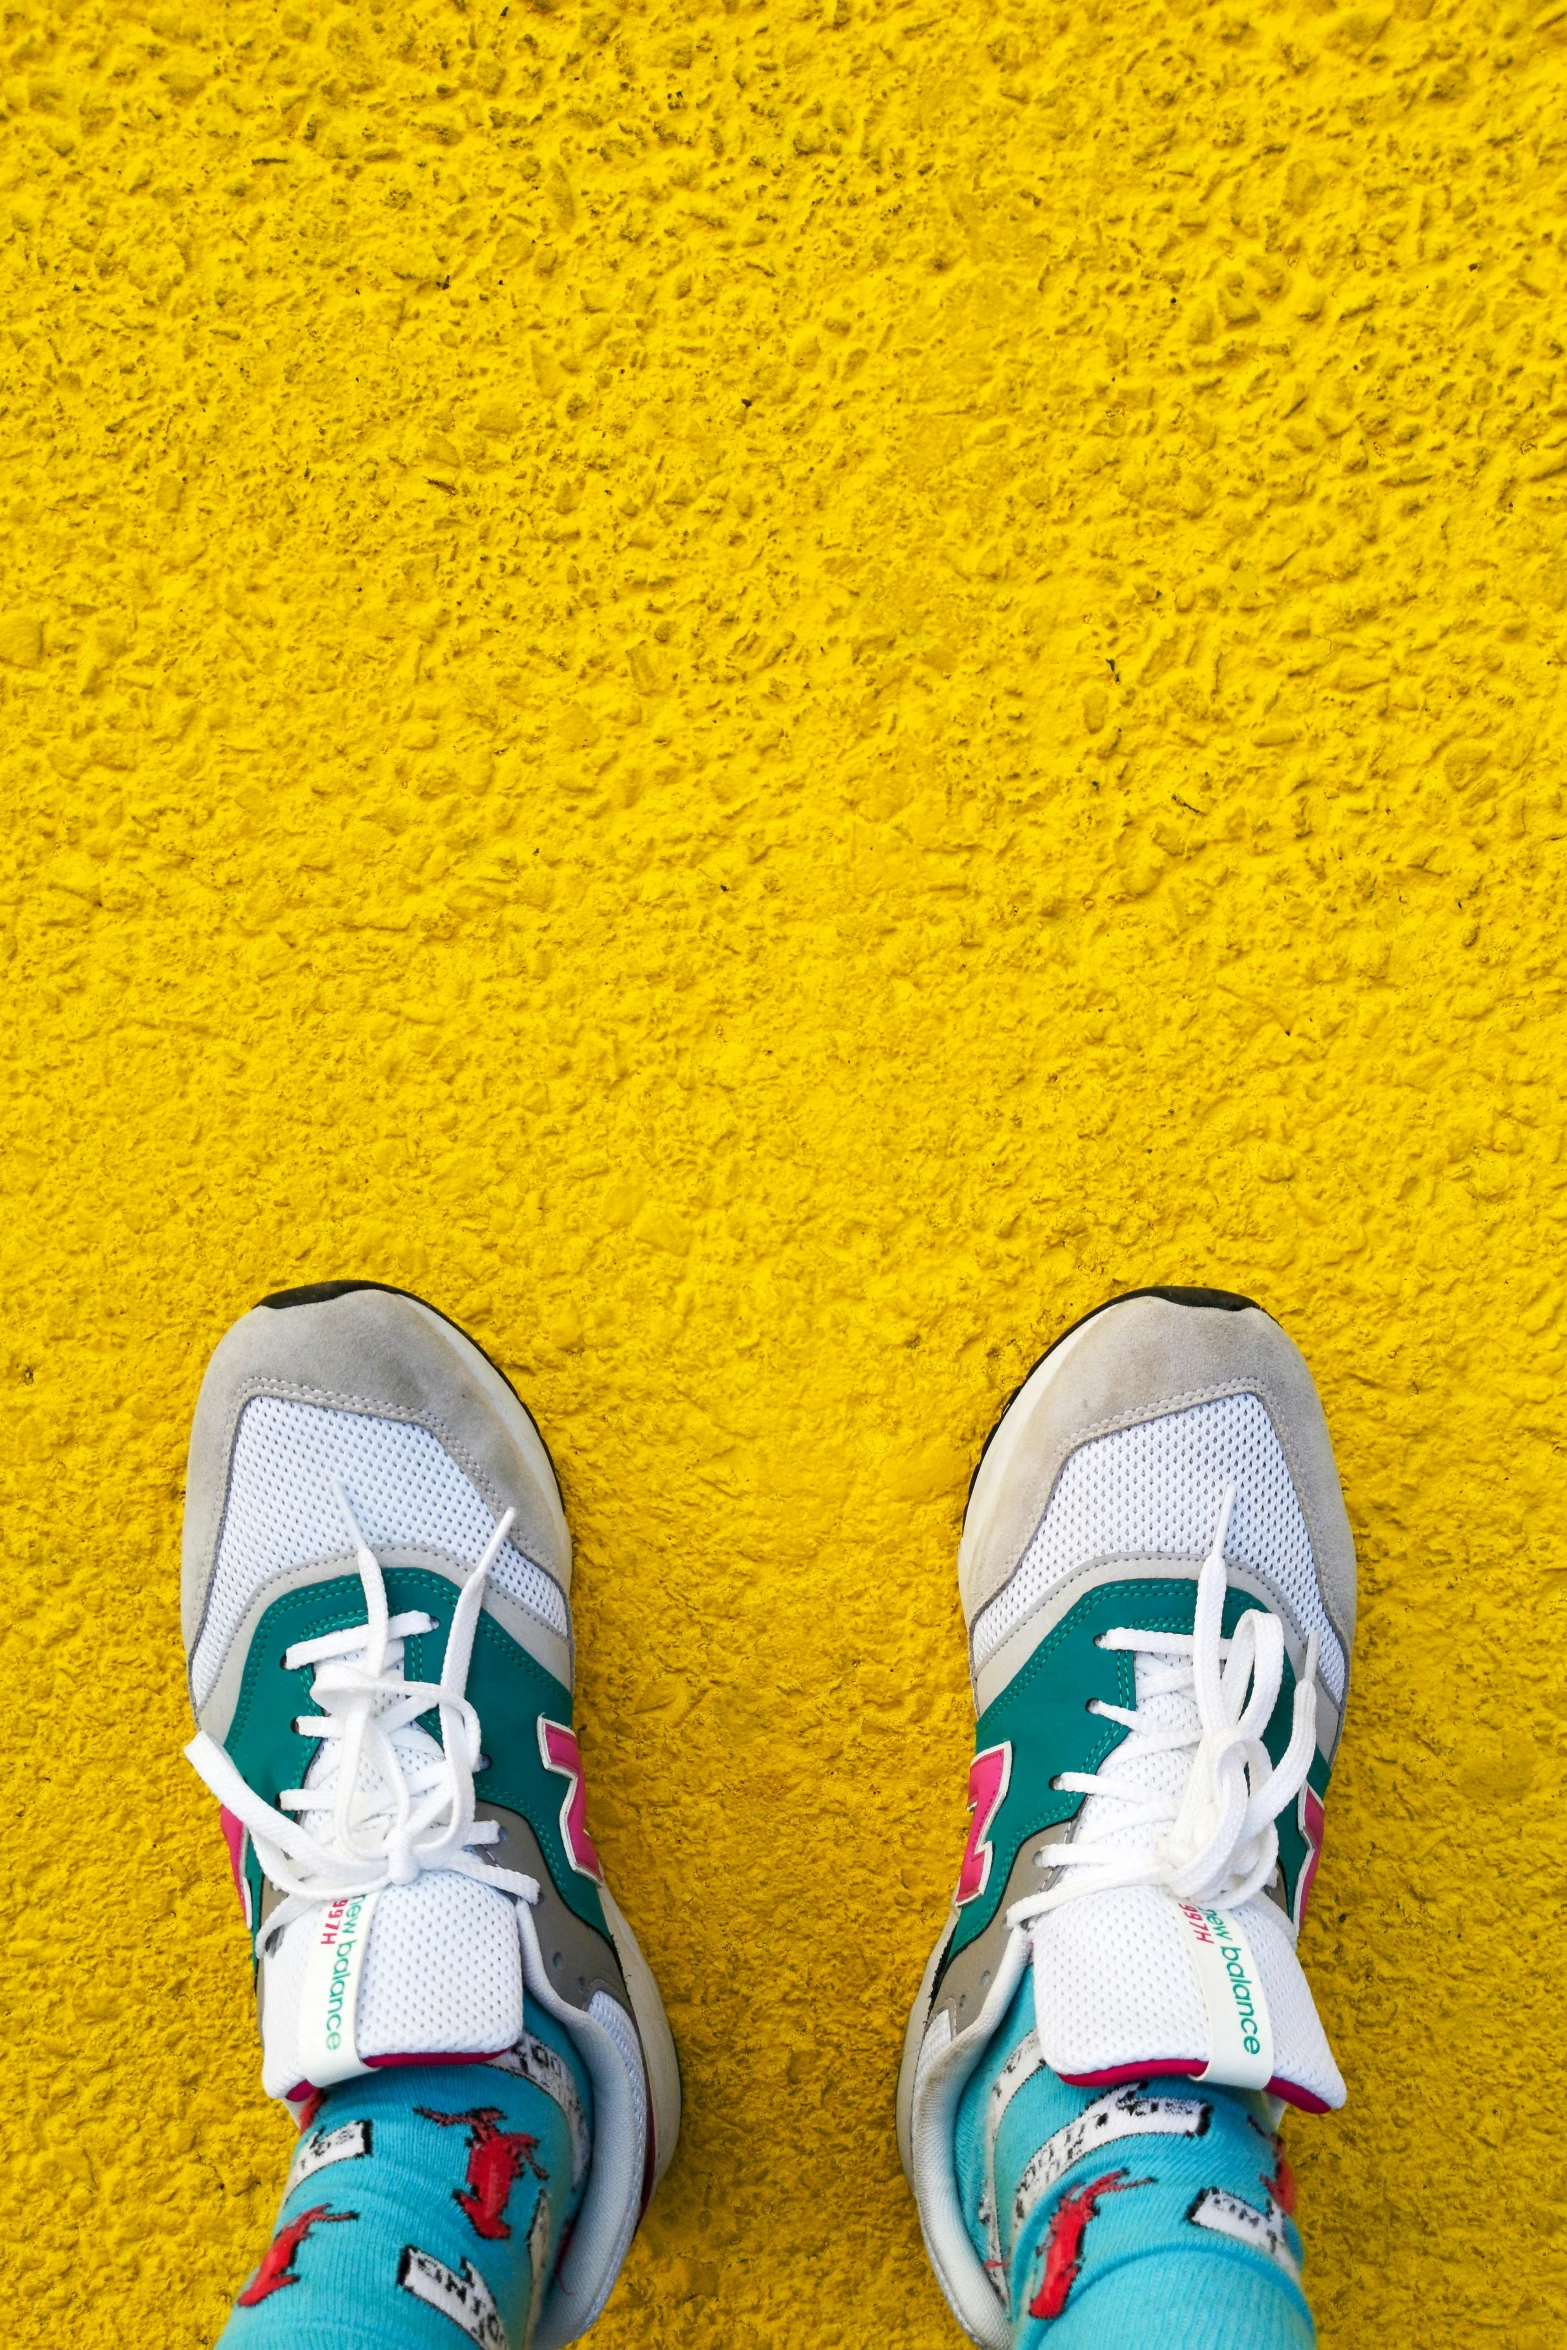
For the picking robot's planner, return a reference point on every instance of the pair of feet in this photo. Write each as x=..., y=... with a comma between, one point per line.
x=1158, y=1581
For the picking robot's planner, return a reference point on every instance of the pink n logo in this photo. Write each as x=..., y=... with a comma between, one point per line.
x=560, y=1751
x=235, y=1836
x=990, y=1775
x=1311, y=1826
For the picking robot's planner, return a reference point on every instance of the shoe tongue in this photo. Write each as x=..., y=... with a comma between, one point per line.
x=1138, y=1774
x=419, y=1973
x=1131, y=1982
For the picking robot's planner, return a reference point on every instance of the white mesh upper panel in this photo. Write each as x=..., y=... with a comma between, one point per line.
x=403, y=1488
x=1153, y=1491
x=442, y=1976
x=443, y=1971
x=1114, y=1985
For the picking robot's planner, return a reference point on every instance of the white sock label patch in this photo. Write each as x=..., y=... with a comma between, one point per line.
x=534, y=2060
x=1119, y=2113
x=1025, y=2061
x=462, y=2295
x=329, y=1992
x=350, y=2142
x=1240, y=2033
x=1224, y=2214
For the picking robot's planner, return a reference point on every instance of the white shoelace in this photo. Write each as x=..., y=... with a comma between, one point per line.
x=395, y=1801
x=1216, y=1843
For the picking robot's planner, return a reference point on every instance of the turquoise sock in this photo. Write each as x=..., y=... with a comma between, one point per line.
x=426, y=2204
x=1148, y=2217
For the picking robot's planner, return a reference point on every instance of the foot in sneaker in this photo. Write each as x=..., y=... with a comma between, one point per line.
x=1159, y=1586
x=376, y=1598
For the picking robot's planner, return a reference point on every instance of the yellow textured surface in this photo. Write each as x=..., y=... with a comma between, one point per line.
x=765, y=695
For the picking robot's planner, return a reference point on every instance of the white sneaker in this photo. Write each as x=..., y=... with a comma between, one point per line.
x=377, y=1619
x=1159, y=1585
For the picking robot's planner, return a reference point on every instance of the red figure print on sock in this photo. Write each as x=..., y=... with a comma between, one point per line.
x=496, y=2161
x=277, y=2262
x=1064, y=2244
x=1282, y=2184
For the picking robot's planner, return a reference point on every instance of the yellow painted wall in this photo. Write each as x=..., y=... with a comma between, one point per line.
x=767, y=694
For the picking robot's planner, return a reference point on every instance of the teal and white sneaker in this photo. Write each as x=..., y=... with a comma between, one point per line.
x=377, y=1578
x=1159, y=1585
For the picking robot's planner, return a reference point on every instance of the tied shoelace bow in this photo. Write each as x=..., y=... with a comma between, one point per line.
x=397, y=1801
x=1217, y=1842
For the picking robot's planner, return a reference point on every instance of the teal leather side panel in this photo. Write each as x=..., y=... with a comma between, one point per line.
x=509, y=1687
x=1043, y=1711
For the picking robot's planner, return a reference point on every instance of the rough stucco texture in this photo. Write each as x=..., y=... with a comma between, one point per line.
x=767, y=694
